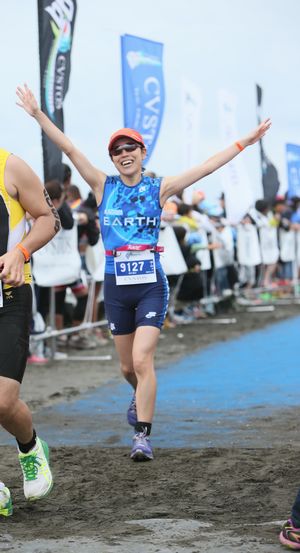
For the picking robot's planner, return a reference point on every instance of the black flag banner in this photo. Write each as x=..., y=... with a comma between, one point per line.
x=270, y=180
x=56, y=27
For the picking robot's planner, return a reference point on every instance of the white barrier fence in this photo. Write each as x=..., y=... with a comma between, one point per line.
x=267, y=245
x=59, y=262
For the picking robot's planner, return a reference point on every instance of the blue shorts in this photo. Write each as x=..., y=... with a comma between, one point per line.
x=131, y=305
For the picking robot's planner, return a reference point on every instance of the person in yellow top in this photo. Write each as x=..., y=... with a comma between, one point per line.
x=186, y=218
x=21, y=191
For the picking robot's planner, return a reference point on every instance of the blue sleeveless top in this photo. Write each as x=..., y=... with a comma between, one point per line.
x=129, y=215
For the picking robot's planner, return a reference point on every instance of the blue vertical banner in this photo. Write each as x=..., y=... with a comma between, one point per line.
x=293, y=169
x=143, y=87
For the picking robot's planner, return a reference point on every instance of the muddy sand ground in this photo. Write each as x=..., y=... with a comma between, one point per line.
x=187, y=500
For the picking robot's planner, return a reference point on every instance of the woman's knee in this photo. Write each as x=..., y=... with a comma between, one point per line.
x=9, y=395
x=127, y=369
x=143, y=363
x=7, y=407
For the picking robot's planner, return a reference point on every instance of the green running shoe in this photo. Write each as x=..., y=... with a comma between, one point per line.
x=6, y=508
x=37, y=475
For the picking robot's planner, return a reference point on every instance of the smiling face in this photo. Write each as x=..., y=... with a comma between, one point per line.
x=128, y=161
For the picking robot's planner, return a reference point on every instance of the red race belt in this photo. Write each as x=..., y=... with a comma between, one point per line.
x=135, y=248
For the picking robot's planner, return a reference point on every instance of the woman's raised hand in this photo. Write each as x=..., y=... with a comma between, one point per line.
x=27, y=100
x=257, y=133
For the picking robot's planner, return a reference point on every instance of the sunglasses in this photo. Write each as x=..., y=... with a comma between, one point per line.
x=127, y=147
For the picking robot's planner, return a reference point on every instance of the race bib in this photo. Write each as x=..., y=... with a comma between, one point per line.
x=134, y=267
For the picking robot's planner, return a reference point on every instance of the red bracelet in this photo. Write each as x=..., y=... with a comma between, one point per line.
x=24, y=251
x=239, y=146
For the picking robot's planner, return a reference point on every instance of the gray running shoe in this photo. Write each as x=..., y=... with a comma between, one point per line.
x=82, y=342
x=141, y=449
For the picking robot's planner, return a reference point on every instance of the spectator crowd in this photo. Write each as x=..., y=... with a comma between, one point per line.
x=261, y=251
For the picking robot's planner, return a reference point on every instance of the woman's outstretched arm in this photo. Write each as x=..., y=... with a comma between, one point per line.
x=175, y=185
x=93, y=176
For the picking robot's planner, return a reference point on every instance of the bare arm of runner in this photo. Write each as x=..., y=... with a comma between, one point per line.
x=25, y=186
x=175, y=185
x=93, y=176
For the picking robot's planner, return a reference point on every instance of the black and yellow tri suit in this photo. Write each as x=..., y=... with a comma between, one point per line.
x=15, y=315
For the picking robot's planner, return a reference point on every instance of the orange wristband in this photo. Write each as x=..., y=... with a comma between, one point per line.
x=239, y=146
x=24, y=251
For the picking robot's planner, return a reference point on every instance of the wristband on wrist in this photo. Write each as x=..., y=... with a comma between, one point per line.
x=24, y=251
x=239, y=146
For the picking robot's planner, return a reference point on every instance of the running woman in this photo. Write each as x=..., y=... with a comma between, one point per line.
x=135, y=287
x=21, y=191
